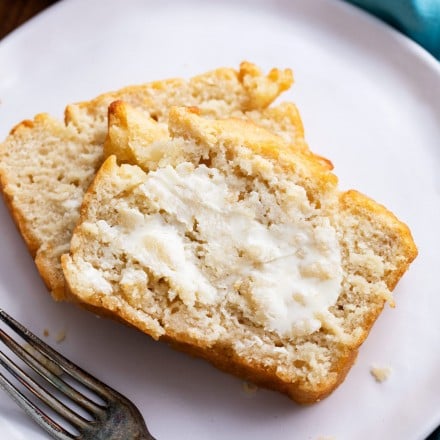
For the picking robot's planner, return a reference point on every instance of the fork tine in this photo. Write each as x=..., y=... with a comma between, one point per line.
x=52, y=378
x=67, y=366
x=35, y=413
x=38, y=391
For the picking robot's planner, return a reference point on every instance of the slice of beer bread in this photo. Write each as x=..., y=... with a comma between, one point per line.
x=232, y=246
x=46, y=165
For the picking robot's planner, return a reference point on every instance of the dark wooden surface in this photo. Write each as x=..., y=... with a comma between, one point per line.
x=15, y=12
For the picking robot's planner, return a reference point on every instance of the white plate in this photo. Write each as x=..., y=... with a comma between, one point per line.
x=370, y=101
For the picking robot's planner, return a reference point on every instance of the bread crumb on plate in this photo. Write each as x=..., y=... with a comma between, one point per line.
x=380, y=374
x=249, y=388
x=61, y=336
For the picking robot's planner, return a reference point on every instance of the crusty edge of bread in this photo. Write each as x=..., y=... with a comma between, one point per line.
x=248, y=74
x=221, y=358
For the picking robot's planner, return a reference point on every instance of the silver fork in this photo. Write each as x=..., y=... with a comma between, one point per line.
x=116, y=418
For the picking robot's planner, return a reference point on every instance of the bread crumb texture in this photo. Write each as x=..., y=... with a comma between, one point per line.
x=380, y=373
x=47, y=165
x=219, y=237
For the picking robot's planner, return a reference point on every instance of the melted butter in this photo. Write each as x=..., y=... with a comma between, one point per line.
x=288, y=273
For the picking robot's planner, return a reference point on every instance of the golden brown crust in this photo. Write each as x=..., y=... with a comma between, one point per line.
x=126, y=125
x=276, y=82
x=222, y=357
x=27, y=123
x=257, y=139
x=259, y=90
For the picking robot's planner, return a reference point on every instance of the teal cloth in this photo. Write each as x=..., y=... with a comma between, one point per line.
x=435, y=435
x=418, y=19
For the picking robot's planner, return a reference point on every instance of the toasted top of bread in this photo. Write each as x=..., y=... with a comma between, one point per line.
x=232, y=246
x=46, y=165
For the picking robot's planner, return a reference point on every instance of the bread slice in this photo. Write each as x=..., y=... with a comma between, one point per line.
x=47, y=165
x=233, y=247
